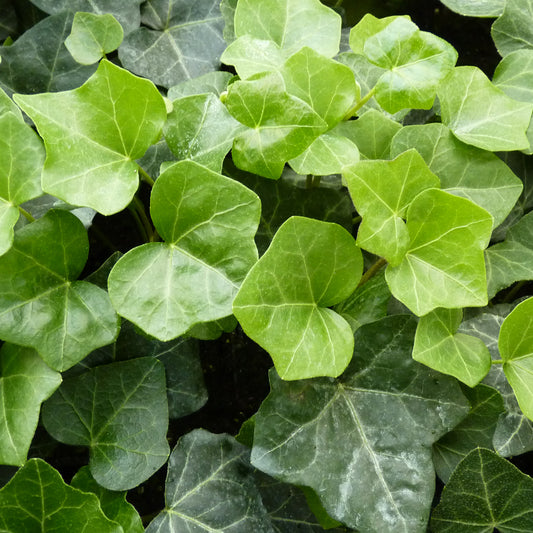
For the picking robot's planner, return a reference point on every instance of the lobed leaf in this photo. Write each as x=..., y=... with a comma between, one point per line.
x=512, y=30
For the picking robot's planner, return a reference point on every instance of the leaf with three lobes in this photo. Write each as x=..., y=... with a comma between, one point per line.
x=37, y=499
x=513, y=29
x=388, y=409
x=208, y=222
x=93, y=135
x=283, y=302
x=25, y=382
x=40, y=303
x=118, y=410
x=444, y=265
x=382, y=191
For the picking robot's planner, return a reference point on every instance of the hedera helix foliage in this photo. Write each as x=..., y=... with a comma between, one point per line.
x=381, y=259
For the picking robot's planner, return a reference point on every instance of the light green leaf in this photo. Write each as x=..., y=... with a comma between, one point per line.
x=179, y=43
x=481, y=114
x=283, y=302
x=463, y=170
x=120, y=412
x=513, y=29
x=94, y=133
x=207, y=253
x=9, y=214
x=25, y=382
x=41, y=304
x=227, y=8
x=212, y=82
x=389, y=411
x=479, y=8
x=485, y=492
x=37, y=499
x=92, y=36
x=514, y=75
x=381, y=192
x=444, y=265
x=439, y=346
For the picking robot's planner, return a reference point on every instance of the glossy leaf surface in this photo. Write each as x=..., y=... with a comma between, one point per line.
x=213, y=82
x=513, y=29
x=514, y=75
x=481, y=8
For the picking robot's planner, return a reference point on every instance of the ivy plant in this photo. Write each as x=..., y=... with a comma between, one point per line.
x=339, y=197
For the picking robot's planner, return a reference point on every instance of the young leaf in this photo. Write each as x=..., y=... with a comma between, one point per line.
x=41, y=304
x=208, y=222
x=514, y=75
x=513, y=29
x=480, y=8
x=120, y=412
x=92, y=36
x=283, y=302
x=212, y=82
x=25, y=382
x=37, y=499
x=389, y=411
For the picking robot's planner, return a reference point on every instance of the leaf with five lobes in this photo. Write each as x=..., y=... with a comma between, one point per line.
x=480, y=8
x=92, y=36
x=118, y=410
x=485, y=492
x=200, y=129
x=37, y=499
x=94, y=133
x=513, y=29
x=213, y=82
x=283, y=302
x=444, y=265
x=481, y=114
x=382, y=191
x=388, y=409
x=40, y=303
x=25, y=382
x=463, y=170
x=182, y=41
x=439, y=346
x=208, y=222
x=279, y=125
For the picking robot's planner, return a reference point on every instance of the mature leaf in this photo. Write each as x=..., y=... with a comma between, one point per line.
x=382, y=191
x=208, y=222
x=8, y=19
x=212, y=82
x=485, y=492
x=514, y=75
x=283, y=302
x=463, y=170
x=37, y=499
x=481, y=114
x=92, y=135
x=120, y=412
x=185, y=41
x=513, y=29
x=25, y=382
x=444, y=265
x=480, y=8
x=227, y=8
x=389, y=411
x=92, y=36
x=40, y=303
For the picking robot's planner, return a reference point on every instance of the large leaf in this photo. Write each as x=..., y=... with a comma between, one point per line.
x=183, y=41
x=37, y=499
x=120, y=412
x=92, y=135
x=25, y=382
x=444, y=265
x=283, y=302
x=513, y=29
x=213, y=82
x=384, y=412
x=485, y=492
x=41, y=304
x=208, y=222
x=480, y=8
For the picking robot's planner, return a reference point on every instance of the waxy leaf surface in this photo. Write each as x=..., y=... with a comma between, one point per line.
x=389, y=410
x=118, y=410
x=212, y=82
x=41, y=304
x=514, y=75
x=208, y=222
x=513, y=30
x=480, y=8
x=94, y=133
x=283, y=302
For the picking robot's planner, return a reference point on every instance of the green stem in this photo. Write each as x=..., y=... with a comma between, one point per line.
x=145, y=221
x=497, y=361
x=360, y=104
x=372, y=271
x=27, y=215
x=140, y=226
x=510, y=296
x=356, y=220
x=309, y=181
x=338, y=3
x=145, y=176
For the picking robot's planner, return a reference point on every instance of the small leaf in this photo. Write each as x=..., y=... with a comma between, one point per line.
x=480, y=8
x=512, y=30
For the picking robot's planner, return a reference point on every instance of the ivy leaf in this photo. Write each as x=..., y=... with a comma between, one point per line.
x=512, y=30
x=480, y=114
x=481, y=8
x=40, y=303
x=180, y=42
x=120, y=412
x=207, y=253
x=212, y=82
x=448, y=236
x=283, y=302
x=389, y=410
x=25, y=382
x=485, y=492
x=381, y=192
x=227, y=8
x=37, y=499
x=92, y=36
x=94, y=133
